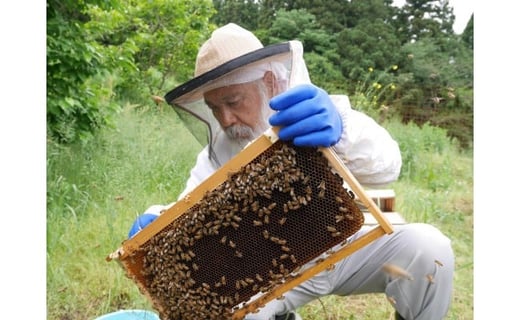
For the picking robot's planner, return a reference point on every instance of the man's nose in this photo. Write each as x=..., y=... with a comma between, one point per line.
x=227, y=117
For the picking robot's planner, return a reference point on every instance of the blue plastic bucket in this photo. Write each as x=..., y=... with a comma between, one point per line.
x=129, y=315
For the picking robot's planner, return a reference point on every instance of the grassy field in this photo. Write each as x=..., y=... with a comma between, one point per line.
x=96, y=189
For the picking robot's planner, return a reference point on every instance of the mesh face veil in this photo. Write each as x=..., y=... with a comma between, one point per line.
x=234, y=56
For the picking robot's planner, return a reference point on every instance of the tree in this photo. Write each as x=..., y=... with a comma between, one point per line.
x=102, y=52
x=467, y=34
x=370, y=44
x=419, y=19
x=242, y=12
x=319, y=46
x=166, y=34
x=73, y=106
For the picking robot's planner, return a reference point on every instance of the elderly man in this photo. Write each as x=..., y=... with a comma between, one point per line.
x=240, y=90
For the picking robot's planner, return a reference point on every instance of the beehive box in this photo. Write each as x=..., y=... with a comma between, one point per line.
x=248, y=233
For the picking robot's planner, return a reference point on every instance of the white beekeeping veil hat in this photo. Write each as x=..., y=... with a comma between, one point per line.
x=233, y=55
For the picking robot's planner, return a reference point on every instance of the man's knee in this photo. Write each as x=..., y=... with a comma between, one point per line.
x=424, y=236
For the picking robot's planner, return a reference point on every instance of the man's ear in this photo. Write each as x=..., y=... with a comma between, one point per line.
x=270, y=83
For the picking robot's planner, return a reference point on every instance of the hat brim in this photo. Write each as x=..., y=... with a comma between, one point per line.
x=189, y=91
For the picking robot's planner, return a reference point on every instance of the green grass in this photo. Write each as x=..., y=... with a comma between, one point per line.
x=96, y=189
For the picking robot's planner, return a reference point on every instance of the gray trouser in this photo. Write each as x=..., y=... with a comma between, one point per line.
x=420, y=249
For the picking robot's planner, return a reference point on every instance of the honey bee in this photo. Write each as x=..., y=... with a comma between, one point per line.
x=331, y=267
x=430, y=278
x=396, y=271
x=331, y=229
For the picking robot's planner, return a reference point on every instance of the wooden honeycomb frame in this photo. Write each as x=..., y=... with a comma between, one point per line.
x=129, y=251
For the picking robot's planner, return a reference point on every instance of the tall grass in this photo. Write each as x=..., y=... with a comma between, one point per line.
x=96, y=189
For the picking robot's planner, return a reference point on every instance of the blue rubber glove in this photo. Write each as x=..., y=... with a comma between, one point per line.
x=141, y=222
x=306, y=116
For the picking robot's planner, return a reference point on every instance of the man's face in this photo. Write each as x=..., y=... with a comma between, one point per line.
x=242, y=110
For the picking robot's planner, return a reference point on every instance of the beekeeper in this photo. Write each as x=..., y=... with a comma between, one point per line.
x=239, y=90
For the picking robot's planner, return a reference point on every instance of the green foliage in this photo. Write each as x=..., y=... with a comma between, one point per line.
x=437, y=64
x=300, y=25
x=375, y=94
x=318, y=45
x=242, y=12
x=100, y=53
x=76, y=102
x=324, y=74
x=436, y=85
x=160, y=37
x=420, y=19
x=370, y=44
x=467, y=34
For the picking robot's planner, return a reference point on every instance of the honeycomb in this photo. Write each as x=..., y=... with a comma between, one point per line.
x=250, y=234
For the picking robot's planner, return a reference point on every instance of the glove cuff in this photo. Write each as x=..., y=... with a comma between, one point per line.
x=342, y=104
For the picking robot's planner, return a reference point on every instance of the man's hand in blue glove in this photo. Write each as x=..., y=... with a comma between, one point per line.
x=306, y=116
x=141, y=222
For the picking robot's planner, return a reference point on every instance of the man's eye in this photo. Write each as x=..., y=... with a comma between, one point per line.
x=233, y=103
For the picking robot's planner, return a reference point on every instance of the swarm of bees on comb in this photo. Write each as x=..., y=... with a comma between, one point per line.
x=250, y=234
